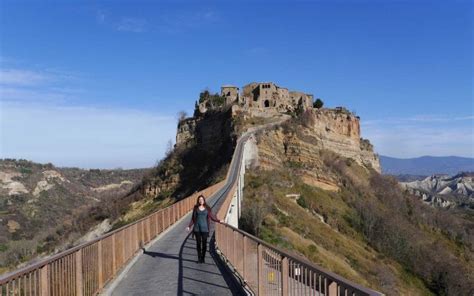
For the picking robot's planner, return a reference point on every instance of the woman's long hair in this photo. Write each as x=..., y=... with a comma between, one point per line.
x=198, y=204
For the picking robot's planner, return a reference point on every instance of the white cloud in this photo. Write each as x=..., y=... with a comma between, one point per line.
x=174, y=22
x=23, y=77
x=422, y=118
x=84, y=137
x=256, y=51
x=129, y=24
x=100, y=16
x=14, y=94
x=45, y=86
x=418, y=136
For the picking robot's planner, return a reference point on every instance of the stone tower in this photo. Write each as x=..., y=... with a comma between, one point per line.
x=230, y=93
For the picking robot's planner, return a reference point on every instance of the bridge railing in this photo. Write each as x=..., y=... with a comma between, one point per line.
x=268, y=270
x=85, y=269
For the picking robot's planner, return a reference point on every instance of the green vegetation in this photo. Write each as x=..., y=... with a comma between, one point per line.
x=318, y=104
x=25, y=171
x=368, y=229
x=212, y=100
x=302, y=202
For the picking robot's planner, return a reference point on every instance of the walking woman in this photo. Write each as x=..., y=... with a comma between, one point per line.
x=202, y=215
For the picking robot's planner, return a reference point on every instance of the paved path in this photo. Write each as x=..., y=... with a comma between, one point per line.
x=169, y=267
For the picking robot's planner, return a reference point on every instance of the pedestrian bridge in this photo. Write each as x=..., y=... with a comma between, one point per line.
x=156, y=256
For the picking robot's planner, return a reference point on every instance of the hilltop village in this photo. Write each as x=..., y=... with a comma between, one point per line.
x=261, y=99
x=336, y=129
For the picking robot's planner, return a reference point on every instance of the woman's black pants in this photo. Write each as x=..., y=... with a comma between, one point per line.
x=201, y=243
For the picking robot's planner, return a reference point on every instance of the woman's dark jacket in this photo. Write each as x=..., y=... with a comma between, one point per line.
x=210, y=216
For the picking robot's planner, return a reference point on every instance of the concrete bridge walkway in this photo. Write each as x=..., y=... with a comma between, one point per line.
x=169, y=267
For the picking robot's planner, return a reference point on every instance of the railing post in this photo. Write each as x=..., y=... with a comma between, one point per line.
x=162, y=221
x=114, y=262
x=148, y=228
x=99, y=263
x=284, y=276
x=79, y=290
x=332, y=288
x=244, y=259
x=44, y=280
x=234, y=248
x=135, y=238
x=260, y=269
x=168, y=214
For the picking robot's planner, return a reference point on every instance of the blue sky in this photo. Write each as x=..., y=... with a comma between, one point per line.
x=99, y=84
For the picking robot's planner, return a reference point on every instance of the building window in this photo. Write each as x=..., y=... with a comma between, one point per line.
x=267, y=103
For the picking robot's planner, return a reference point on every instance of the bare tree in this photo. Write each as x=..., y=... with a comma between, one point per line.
x=181, y=115
x=169, y=147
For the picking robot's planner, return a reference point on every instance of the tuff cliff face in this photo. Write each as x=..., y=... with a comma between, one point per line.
x=203, y=147
x=299, y=144
x=337, y=130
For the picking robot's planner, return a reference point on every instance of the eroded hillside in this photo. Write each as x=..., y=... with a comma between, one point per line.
x=44, y=208
x=444, y=191
x=305, y=194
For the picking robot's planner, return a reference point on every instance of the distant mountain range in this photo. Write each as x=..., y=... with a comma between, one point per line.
x=426, y=165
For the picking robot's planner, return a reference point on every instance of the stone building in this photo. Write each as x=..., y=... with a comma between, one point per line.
x=230, y=93
x=267, y=97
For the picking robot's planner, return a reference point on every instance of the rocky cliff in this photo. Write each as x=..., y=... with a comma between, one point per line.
x=300, y=141
x=204, y=146
x=337, y=130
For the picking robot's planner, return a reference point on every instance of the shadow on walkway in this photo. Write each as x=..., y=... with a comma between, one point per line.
x=210, y=278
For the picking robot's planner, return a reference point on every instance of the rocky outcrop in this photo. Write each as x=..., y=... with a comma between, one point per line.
x=185, y=134
x=207, y=130
x=338, y=130
x=443, y=190
x=204, y=144
x=297, y=141
x=293, y=144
